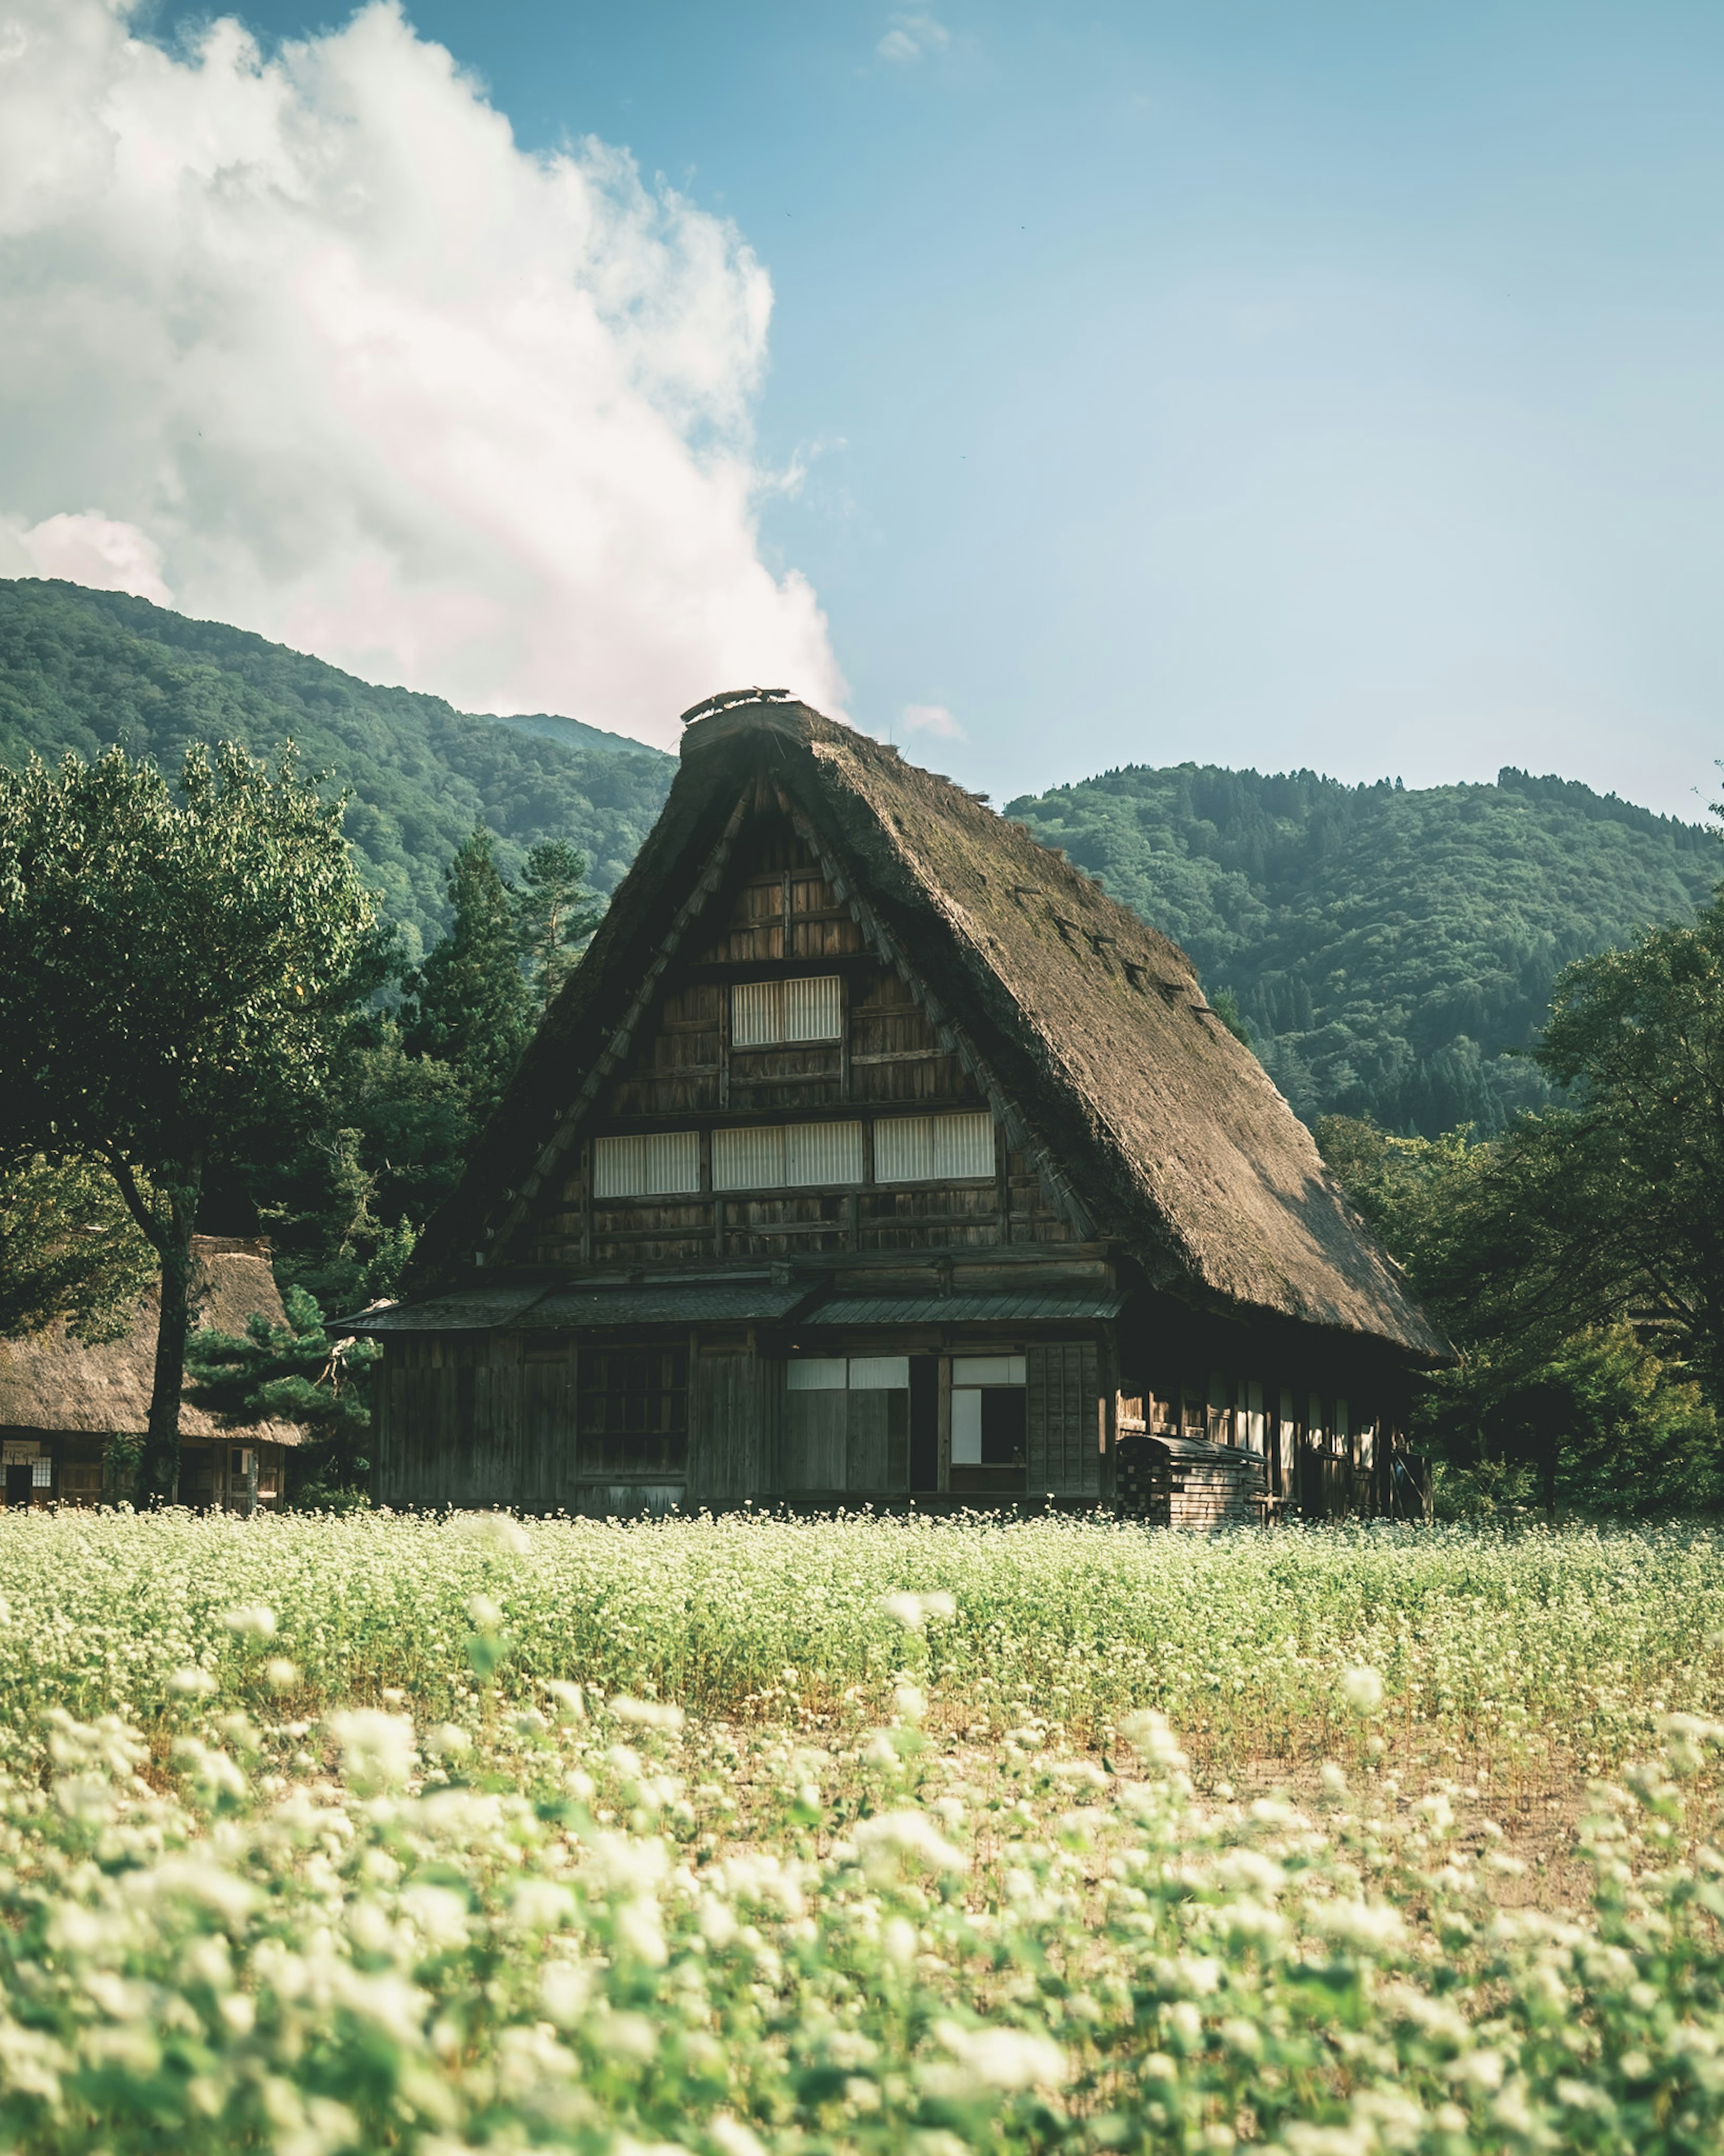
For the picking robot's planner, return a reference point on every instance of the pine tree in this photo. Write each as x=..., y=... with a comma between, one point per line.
x=554, y=915
x=469, y=1003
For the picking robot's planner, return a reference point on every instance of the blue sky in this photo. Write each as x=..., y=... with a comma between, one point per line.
x=1314, y=385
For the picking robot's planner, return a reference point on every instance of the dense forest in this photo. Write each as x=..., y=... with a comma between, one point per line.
x=1387, y=950
x=81, y=669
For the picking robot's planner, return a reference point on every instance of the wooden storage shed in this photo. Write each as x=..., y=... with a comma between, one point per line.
x=63, y=1401
x=874, y=1155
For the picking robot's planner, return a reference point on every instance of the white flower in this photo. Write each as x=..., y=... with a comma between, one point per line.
x=499, y=1531
x=571, y=1700
x=447, y=1741
x=438, y=1914
x=375, y=1747
x=1361, y=1688
x=1370, y=1926
x=191, y=1683
x=253, y=1621
x=1147, y=1733
x=910, y=1701
x=646, y=1713
x=1004, y=2058
x=279, y=1674
x=889, y=1837
x=483, y=1612
x=913, y=1611
x=731, y=2137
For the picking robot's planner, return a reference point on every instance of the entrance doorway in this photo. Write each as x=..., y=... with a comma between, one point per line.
x=17, y=1485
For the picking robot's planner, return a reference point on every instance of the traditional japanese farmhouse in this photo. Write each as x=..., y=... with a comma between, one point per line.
x=874, y=1155
x=63, y=1401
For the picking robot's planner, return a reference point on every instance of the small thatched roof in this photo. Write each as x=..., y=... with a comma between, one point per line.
x=52, y=1381
x=1087, y=1028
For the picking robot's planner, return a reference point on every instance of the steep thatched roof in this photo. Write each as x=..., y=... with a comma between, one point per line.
x=55, y=1382
x=1087, y=1028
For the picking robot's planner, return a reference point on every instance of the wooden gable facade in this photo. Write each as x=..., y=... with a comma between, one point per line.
x=770, y=1217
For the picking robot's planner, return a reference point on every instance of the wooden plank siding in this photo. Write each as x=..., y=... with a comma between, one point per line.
x=783, y=919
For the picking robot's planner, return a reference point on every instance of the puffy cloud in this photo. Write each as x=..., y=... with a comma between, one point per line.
x=933, y=719
x=911, y=36
x=309, y=343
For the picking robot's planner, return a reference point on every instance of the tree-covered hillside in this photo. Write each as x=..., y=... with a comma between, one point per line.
x=80, y=670
x=1385, y=947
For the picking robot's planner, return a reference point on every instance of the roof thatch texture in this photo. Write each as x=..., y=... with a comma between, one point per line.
x=1088, y=1028
x=52, y=1381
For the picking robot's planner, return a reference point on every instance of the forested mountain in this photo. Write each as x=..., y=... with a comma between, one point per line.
x=80, y=670
x=1385, y=947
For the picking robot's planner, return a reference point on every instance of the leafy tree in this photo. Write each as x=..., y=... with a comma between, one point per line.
x=172, y=975
x=1638, y=1036
x=1572, y=1389
x=469, y=1007
x=554, y=915
x=293, y=1372
x=69, y=1250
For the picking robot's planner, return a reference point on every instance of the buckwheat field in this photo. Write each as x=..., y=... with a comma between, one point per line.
x=755, y=1835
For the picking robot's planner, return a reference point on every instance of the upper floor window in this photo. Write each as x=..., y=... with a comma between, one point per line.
x=787, y=1156
x=662, y=1164
x=765, y=1013
x=932, y=1149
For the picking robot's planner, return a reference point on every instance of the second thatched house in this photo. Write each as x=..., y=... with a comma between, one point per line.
x=874, y=1155
x=65, y=1402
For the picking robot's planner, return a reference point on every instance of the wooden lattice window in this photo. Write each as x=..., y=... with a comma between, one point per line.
x=632, y=1410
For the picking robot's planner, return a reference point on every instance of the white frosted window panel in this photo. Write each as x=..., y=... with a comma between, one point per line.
x=756, y=1014
x=618, y=1167
x=748, y=1160
x=811, y=1009
x=1255, y=1410
x=41, y=1474
x=965, y=1428
x=903, y=1149
x=822, y=1152
x=672, y=1162
x=963, y=1145
x=818, y=1373
x=880, y=1373
x=990, y=1370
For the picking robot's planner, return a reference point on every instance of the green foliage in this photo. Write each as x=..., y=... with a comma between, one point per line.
x=1388, y=949
x=469, y=1006
x=293, y=1372
x=173, y=975
x=553, y=918
x=1558, y=1398
x=1638, y=1035
x=553, y=1910
x=68, y=1248
x=80, y=669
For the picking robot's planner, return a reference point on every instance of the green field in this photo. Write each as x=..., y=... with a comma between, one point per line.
x=757, y=1835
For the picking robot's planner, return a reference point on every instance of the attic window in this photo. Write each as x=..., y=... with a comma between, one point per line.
x=933, y=1149
x=661, y=1164
x=793, y=1155
x=765, y=1013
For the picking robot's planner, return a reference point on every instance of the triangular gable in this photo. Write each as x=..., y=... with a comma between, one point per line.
x=1084, y=1029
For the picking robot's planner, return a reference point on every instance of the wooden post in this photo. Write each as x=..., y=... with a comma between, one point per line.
x=943, y=1424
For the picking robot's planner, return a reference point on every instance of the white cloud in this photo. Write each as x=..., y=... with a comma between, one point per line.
x=310, y=343
x=90, y=548
x=911, y=37
x=932, y=719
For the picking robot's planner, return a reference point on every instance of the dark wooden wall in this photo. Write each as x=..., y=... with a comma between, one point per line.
x=782, y=920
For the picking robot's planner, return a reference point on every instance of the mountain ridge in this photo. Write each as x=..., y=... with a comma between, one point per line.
x=1390, y=950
